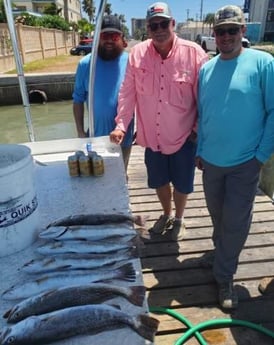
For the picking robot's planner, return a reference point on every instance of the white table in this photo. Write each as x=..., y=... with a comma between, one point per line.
x=60, y=195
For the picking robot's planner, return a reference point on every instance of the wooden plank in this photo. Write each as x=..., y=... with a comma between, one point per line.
x=174, y=277
x=192, y=277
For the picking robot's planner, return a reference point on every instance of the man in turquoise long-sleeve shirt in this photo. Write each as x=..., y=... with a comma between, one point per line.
x=235, y=138
x=110, y=70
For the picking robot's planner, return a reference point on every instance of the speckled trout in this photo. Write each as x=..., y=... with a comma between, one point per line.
x=67, y=278
x=70, y=296
x=83, y=246
x=77, y=262
x=98, y=218
x=93, y=232
x=68, y=322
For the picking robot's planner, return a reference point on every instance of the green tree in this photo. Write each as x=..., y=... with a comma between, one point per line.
x=27, y=19
x=3, y=17
x=122, y=18
x=53, y=22
x=108, y=9
x=140, y=34
x=209, y=19
x=52, y=10
x=84, y=27
x=89, y=8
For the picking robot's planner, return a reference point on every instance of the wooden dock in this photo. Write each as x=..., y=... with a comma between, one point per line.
x=175, y=279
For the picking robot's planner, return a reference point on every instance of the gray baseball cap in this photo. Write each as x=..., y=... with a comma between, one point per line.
x=111, y=24
x=158, y=9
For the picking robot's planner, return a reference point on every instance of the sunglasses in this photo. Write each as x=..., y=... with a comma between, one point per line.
x=114, y=36
x=230, y=31
x=155, y=26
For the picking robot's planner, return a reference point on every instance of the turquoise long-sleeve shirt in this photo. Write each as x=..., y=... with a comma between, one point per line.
x=109, y=75
x=236, y=109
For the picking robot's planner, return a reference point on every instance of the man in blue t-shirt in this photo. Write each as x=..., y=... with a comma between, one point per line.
x=235, y=138
x=109, y=74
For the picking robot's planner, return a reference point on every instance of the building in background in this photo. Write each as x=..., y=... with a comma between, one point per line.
x=262, y=11
x=259, y=16
x=190, y=30
x=138, y=27
x=71, y=9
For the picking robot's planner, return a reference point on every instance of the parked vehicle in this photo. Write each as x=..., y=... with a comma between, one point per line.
x=81, y=49
x=85, y=41
x=208, y=43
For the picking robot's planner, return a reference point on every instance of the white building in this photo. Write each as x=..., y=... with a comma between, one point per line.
x=190, y=29
x=262, y=11
x=71, y=9
x=138, y=24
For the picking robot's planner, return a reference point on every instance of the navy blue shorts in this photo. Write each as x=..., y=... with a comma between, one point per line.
x=177, y=168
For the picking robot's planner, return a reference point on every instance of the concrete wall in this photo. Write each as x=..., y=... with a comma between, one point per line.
x=57, y=87
x=34, y=43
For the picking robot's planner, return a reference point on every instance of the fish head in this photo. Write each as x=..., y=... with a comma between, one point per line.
x=53, y=232
x=13, y=315
x=18, y=334
x=6, y=336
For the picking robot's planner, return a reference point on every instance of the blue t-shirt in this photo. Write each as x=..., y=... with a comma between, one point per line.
x=109, y=74
x=236, y=109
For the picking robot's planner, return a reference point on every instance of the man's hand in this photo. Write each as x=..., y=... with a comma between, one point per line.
x=199, y=163
x=193, y=137
x=117, y=136
x=82, y=134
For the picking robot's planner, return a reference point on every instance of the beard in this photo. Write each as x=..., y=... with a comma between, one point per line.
x=107, y=54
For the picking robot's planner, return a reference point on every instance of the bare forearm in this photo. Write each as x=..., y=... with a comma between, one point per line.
x=78, y=112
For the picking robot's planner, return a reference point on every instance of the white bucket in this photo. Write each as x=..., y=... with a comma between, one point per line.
x=18, y=201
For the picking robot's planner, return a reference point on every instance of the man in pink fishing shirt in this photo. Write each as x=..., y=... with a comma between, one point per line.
x=161, y=84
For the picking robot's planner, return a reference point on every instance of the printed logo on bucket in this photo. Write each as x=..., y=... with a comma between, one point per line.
x=17, y=213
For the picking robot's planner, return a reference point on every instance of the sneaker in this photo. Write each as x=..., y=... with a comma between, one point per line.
x=266, y=286
x=228, y=298
x=178, y=230
x=163, y=223
x=207, y=260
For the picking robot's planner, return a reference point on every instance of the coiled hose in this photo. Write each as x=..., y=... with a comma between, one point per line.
x=194, y=330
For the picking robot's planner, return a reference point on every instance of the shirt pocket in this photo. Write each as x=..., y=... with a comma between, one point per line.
x=181, y=91
x=144, y=81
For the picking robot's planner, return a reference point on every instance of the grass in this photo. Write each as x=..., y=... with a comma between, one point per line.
x=57, y=64
x=68, y=63
x=266, y=46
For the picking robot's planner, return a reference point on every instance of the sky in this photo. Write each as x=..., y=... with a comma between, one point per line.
x=181, y=9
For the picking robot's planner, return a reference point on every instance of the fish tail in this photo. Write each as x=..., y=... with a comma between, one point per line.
x=137, y=295
x=133, y=252
x=140, y=220
x=137, y=242
x=143, y=233
x=147, y=326
x=128, y=272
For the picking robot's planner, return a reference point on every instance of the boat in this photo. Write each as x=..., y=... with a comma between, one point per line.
x=59, y=194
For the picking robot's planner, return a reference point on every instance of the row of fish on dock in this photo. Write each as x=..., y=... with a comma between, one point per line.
x=79, y=259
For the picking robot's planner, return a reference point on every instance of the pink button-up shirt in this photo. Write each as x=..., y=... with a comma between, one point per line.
x=164, y=92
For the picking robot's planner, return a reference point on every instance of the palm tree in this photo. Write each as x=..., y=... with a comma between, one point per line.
x=108, y=9
x=89, y=8
x=122, y=18
x=209, y=19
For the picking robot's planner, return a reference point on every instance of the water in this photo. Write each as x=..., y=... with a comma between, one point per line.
x=53, y=120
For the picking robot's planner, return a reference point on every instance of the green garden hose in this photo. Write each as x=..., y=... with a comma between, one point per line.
x=180, y=318
x=194, y=330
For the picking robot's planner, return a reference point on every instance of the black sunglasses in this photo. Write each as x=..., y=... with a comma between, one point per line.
x=230, y=31
x=163, y=25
